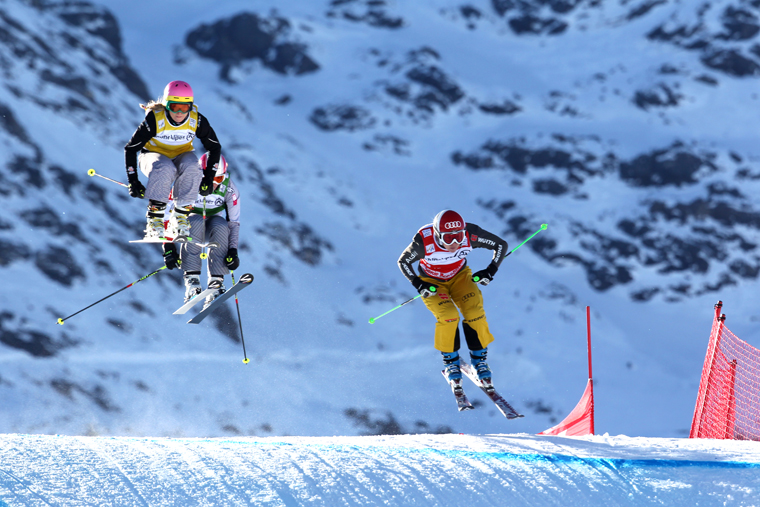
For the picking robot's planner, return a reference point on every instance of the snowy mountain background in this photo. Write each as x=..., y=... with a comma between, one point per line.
x=626, y=126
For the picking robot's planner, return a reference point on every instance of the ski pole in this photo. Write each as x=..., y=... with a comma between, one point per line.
x=92, y=172
x=542, y=228
x=372, y=320
x=205, y=235
x=240, y=321
x=60, y=321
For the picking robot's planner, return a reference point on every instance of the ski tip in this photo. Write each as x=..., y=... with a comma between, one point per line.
x=246, y=278
x=151, y=240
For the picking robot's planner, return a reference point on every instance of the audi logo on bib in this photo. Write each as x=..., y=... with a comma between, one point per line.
x=452, y=225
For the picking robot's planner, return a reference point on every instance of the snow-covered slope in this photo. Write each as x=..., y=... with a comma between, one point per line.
x=442, y=470
x=349, y=124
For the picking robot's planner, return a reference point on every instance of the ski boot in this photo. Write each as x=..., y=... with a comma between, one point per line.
x=216, y=283
x=453, y=372
x=182, y=224
x=155, y=215
x=192, y=285
x=478, y=359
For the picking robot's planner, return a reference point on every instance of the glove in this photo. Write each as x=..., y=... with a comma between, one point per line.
x=232, y=261
x=171, y=256
x=485, y=276
x=207, y=183
x=136, y=189
x=426, y=289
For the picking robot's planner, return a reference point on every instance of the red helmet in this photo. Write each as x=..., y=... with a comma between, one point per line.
x=449, y=227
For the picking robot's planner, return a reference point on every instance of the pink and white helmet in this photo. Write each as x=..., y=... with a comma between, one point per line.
x=221, y=167
x=177, y=91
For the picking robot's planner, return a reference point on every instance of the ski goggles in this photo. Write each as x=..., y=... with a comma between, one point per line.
x=447, y=238
x=179, y=107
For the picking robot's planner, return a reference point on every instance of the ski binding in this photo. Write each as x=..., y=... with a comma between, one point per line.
x=504, y=407
x=244, y=282
x=456, y=387
x=214, y=285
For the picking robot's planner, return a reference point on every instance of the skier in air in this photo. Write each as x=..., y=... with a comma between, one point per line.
x=447, y=284
x=165, y=142
x=225, y=232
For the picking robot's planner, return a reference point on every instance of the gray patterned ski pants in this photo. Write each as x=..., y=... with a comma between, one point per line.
x=183, y=172
x=218, y=232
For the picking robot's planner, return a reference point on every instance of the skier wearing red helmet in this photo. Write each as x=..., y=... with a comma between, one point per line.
x=448, y=286
x=164, y=141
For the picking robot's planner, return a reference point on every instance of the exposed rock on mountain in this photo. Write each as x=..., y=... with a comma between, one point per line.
x=531, y=17
x=342, y=117
x=99, y=22
x=677, y=237
x=39, y=45
x=246, y=37
x=417, y=86
x=720, y=33
x=372, y=12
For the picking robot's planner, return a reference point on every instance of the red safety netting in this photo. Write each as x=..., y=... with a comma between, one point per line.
x=580, y=422
x=728, y=403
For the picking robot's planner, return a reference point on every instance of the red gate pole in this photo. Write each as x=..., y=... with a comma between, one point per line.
x=704, y=383
x=590, y=376
x=588, y=332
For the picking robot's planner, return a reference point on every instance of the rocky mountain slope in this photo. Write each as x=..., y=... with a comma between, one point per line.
x=624, y=125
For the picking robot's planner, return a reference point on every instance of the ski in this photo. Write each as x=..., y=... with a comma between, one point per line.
x=462, y=402
x=151, y=240
x=178, y=239
x=244, y=282
x=197, y=299
x=504, y=407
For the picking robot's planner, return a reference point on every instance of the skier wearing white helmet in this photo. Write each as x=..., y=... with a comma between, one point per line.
x=164, y=141
x=448, y=286
x=224, y=232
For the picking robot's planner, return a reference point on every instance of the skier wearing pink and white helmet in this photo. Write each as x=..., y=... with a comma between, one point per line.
x=449, y=287
x=164, y=141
